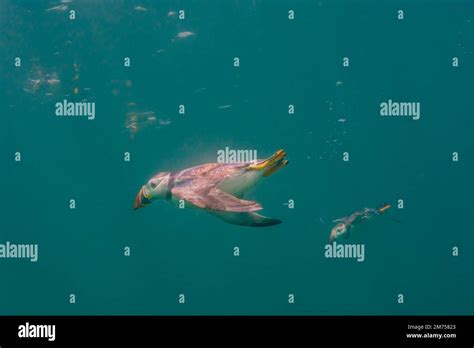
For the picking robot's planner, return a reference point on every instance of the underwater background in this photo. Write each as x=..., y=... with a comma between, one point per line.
x=408, y=251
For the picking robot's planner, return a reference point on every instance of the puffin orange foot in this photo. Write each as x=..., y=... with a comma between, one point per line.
x=277, y=166
x=269, y=162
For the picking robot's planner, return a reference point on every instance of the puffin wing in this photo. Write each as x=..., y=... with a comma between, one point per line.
x=250, y=219
x=212, y=198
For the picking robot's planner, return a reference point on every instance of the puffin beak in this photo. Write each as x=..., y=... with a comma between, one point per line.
x=141, y=200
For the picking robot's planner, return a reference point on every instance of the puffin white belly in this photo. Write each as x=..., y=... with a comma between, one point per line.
x=238, y=185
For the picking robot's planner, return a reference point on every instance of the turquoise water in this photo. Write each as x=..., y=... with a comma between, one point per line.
x=81, y=251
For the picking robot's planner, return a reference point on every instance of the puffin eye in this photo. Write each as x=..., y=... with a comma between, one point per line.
x=153, y=184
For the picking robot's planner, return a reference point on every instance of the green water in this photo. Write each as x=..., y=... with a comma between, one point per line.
x=81, y=251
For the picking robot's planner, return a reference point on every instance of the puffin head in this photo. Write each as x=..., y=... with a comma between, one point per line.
x=338, y=230
x=155, y=188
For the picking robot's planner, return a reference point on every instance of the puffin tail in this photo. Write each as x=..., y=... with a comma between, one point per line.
x=249, y=219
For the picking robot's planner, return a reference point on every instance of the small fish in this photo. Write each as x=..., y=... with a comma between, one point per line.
x=339, y=83
x=57, y=8
x=199, y=90
x=184, y=34
x=164, y=122
x=342, y=120
x=224, y=106
x=140, y=8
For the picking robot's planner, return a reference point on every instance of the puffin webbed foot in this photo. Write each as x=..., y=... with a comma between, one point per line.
x=277, y=166
x=269, y=163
